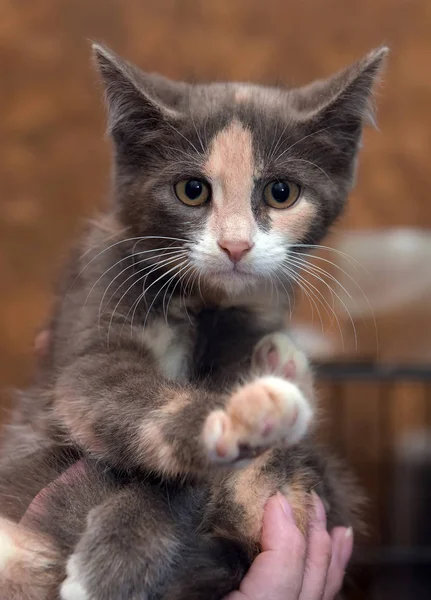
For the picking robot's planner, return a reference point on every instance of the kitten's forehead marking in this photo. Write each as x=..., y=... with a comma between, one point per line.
x=230, y=161
x=232, y=170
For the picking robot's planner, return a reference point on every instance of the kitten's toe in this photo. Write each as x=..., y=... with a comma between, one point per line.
x=276, y=353
x=219, y=438
x=260, y=415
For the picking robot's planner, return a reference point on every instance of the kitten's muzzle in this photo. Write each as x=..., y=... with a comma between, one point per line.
x=235, y=250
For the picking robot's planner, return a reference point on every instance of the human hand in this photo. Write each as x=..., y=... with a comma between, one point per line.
x=291, y=568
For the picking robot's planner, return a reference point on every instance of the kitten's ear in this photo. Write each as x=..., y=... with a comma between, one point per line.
x=343, y=103
x=136, y=101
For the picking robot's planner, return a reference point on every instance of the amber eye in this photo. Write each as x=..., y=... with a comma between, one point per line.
x=281, y=194
x=193, y=192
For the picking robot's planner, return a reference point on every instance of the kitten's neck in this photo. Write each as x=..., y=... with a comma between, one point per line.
x=264, y=304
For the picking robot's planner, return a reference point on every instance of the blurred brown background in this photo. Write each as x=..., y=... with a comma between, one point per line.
x=54, y=160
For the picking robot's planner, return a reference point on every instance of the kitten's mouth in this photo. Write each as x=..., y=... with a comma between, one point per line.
x=233, y=276
x=234, y=271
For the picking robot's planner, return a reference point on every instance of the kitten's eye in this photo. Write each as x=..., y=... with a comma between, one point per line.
x=281, y=194
x=192, y=191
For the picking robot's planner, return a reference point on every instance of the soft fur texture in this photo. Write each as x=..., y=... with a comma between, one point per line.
x=168, y=369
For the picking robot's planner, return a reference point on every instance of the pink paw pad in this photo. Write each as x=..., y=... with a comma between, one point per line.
x=277, y=354
x=259, y=415
x=289, y=370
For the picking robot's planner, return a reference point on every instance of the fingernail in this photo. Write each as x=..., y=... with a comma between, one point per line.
x=346, y=547
x=319, y=509
x=287, y=509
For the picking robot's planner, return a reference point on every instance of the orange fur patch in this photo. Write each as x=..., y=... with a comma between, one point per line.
x=158, y=453
x=300, y=501
x=294, y=221
x=251, y=490
x=77, y=419
x=178, y=402
x=231, y=169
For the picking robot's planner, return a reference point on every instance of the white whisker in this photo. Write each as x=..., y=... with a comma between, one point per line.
x=173, y=252
x=305, y=257
x=139, y=238
x=193, y=121
x=328, y=308
x=199, y=287
x=184, y=137
x=103, y=241
x=185, y=291
x=314, y=165
x=158, y=266
x=301, y=260
x=301, y=284
x=301, y=140
x=180, y=151
x=323, y=302
x=160, y=290
x=145, y=277
x=179, y=281
x=349, y=259
x=151, y=285
x=128, y=257
x=164, y=305
x=272, y=153
x=305, y=270
x=287, y=294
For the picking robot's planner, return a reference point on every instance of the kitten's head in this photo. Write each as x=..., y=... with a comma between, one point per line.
x=235, y=177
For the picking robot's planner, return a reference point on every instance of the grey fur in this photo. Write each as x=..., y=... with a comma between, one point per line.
x=137, y=526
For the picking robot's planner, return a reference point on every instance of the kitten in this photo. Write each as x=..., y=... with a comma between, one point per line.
x=168, y=367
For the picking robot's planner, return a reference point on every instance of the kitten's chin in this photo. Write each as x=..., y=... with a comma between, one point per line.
x=232, y=283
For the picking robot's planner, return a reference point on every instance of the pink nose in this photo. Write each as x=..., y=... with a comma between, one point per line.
x=235, y=250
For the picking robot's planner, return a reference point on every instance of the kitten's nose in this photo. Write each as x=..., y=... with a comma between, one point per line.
x=235, y=250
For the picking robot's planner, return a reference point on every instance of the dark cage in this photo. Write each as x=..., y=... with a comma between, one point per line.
x=379, y=417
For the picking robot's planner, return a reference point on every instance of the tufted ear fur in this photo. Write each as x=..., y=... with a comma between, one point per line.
x=137, y=102
x=334, y=112
x=342, y=104
x=348, y=91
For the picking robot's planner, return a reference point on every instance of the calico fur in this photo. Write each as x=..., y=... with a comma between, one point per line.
x=170, y=389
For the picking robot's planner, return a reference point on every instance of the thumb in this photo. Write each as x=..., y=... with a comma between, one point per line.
x=277, y=572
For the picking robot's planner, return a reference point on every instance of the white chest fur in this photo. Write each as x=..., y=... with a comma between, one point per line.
x=171, y=347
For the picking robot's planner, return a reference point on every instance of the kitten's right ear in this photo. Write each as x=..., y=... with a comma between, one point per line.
x=131, y=108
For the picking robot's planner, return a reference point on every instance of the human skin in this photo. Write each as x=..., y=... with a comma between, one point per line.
x=291, y=567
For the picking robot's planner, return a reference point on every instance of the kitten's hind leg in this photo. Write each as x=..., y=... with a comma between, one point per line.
x=22, y=477
x=128, y=549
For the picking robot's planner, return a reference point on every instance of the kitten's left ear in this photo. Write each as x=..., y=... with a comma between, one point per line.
x=137, y=102
x=343, y=103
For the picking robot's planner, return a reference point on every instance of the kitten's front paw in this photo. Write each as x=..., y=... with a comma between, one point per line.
x=260, y=415
x=276, y=353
